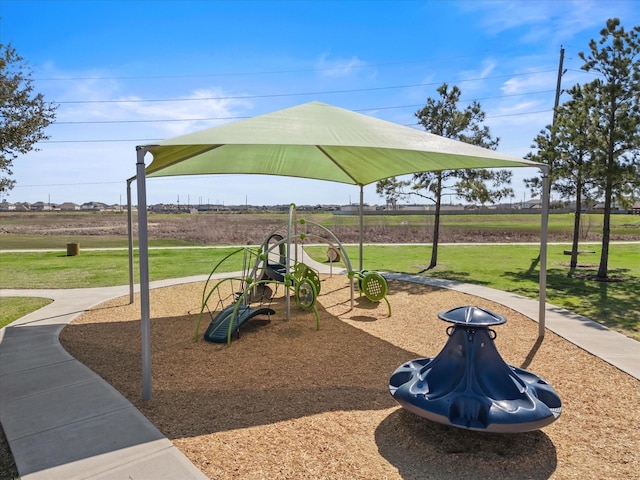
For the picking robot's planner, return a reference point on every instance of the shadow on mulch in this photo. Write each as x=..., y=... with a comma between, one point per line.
x=421, y=449
x=280, y=371
x=282, y=376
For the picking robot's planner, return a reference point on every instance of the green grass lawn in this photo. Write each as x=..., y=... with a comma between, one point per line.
x=12, y=308
x=105, y=268
x=512, y=222
x=513, y=268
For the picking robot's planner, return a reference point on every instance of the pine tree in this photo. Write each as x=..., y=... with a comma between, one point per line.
x=615, y=58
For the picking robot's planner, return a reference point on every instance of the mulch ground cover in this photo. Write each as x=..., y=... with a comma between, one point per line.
x=287, y=401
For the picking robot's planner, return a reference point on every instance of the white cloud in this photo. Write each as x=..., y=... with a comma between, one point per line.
x=529, y=83
x=337, y=68
x=549, y=21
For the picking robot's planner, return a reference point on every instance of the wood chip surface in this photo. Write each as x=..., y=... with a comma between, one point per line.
x=287, y=401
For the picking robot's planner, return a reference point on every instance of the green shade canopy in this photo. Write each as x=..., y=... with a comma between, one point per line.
x=315, y=141
x=322, y=142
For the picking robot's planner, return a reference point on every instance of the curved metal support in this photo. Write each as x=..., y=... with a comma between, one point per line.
x=361, y=224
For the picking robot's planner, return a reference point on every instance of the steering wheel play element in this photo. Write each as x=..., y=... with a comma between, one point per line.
x=306, y=294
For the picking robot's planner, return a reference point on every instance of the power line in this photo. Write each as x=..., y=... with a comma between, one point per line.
x=207, y=119
x=141, y=141
x=298, y=94
x=151, y=121
x=66, y=184
x=272, y=72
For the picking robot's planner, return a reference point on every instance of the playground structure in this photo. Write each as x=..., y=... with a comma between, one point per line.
x=468, y=384
x=280, y=261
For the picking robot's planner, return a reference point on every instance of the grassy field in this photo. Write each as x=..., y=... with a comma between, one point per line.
x=509, y=267
x=12, y=308
x=54, y=230
x=512, y=268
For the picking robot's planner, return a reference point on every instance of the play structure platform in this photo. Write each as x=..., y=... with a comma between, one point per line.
x=231, y=319
x=468, y=385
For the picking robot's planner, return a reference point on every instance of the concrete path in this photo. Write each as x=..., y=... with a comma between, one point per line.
x=613, y=347
x=63, y=421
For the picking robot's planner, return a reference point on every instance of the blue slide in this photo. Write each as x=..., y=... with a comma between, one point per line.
x=218, y=329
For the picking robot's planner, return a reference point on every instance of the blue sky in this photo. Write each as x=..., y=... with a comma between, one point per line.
x=128, y=73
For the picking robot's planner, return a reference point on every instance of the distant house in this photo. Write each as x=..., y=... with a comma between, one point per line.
x=532, y=203
x=208, y=207
x=355, y=208
x=93, y=207
x=162, y=208
x=615, y=208
x=22, y=207
x=42, y=207
x=69, y=207
x=415, y=208
x=7, y=207
x=445, y=208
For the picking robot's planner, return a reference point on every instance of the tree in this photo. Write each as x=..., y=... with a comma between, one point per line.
x=576, y=133
x=24, y=114
x=567, y=148
x=442, y=117
x=615, y=58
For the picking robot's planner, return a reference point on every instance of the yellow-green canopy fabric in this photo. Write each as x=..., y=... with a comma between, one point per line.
x=315, y=141
x=318, y=141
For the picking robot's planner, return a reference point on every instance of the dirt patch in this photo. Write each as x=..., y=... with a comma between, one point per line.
x=288, y=402
x=248, y=228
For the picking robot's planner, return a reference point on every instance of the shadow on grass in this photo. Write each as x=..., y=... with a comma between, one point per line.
x=614, y=303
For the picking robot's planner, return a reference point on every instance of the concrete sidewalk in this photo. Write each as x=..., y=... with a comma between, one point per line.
x=613, y=347
x=63, y=421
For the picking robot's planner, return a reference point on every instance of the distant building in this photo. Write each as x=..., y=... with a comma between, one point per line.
x=531, y=204
x=355, y=208
x=93, y=207
x=42, y=207
x=69, y=207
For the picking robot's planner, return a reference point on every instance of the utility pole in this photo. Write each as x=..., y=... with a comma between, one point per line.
x=555, y=115
x=558, y=85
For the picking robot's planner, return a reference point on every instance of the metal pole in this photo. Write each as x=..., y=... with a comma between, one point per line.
x=130, y=235
x=544, y=222
x=361, y=223
x=287, y=263
x=143, y=253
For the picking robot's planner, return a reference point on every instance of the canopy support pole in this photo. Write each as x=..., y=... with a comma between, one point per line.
x=361, y=223
x=130, y=238
x=143, y=253
x=544, y=222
